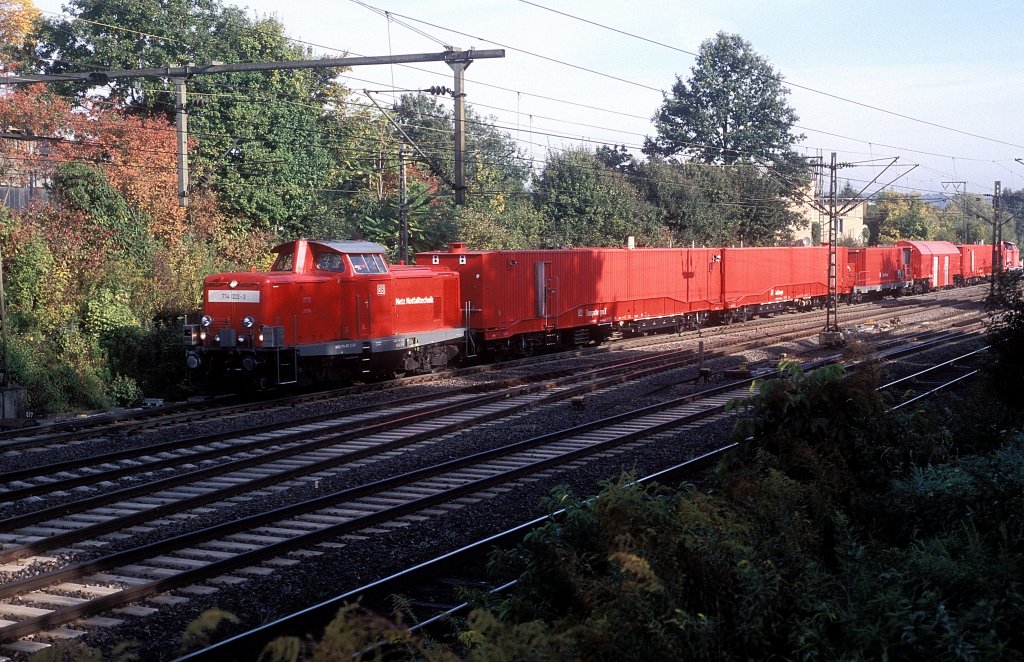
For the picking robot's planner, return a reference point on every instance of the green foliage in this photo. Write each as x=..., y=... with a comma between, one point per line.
x=1006, y=336
x=356, y=635
x=713, y=206
x=836, y=533
x=817, y=405
x=379, y=220
x=1012, y=203
x=946, y=579
x=26, y=276
x=586, y=203
x=201, y=631
x=83, y=188
x=264, y=140
x=62, y=370
x=494, y=163
x=503, y=224
x=781, y=561
x=902, y=217
x=644, y=574
x=732, y=109
x=108, y=313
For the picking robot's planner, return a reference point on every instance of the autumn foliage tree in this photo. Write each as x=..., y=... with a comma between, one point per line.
x=99, y=276
x=17, y=22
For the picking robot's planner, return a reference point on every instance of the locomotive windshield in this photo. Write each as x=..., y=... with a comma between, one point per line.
x=368, y=263
x=283, y=262
x=327, y=261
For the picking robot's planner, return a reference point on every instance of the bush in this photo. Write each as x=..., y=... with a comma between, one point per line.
x=62, y=371
x=1006, y=335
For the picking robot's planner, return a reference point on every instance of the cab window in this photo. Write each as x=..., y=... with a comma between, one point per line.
x=283, y=262
x=330, y=262
x=368, y=263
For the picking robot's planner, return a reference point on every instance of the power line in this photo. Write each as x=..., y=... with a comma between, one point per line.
x=390, y=16
x=783, y=79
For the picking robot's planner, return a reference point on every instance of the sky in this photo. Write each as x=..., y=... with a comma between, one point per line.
x=935, y=84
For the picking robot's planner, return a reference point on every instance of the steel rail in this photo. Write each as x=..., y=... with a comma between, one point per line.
x=243, y=559
x=217, y=567
x=248, y=645
x=459, y=406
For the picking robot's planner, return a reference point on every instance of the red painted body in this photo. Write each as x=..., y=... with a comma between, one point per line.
x=770, y=276
x=1011, y=259
x=933, y=264
x=331, y=309
x=876, y=269
x=525, y=292
x=334, y=304
x=975, y=262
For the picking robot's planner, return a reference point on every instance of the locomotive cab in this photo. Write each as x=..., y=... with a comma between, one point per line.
x=326, y=310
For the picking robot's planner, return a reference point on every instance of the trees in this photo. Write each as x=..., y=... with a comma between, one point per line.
x=732, y=109
x=263, y=140
x=732, y=112
x=488, y=149
x=712, y=205
x=17, y=20
x=588, y=204
x=1012, y=202
x=898, y=216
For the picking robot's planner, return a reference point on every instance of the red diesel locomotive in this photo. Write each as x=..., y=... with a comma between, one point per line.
x=325, y=310
x=334, y=309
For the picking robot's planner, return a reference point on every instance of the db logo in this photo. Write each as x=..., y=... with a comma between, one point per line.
x=380, y=289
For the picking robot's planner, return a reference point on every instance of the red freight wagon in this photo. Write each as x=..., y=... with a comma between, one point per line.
x=975, y=263
x=546, y=297
x=335, y=305
x=876, y=269
x=932, y=263
x=763, y=280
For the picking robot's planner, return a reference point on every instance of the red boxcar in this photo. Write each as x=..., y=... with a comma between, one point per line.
x=545, y=297
x=763, y=280
x=876, y=269
x=933, y=264
x=331, y=308
x=975, y=263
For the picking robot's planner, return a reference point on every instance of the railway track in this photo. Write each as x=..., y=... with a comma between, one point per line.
x=122, y=423
x=933, y=379
x=208, y=457
x=433, y=590
x=38, y=601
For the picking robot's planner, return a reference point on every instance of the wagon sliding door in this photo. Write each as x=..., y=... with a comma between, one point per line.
x=542, y=290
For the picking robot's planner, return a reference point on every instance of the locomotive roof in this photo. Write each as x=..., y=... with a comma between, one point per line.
x=351, y=246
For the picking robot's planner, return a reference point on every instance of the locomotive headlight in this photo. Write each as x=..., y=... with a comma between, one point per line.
x=205, y=321
x=249, y=321
x=202, y=334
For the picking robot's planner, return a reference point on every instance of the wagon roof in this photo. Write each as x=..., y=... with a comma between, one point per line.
x=932, y=247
